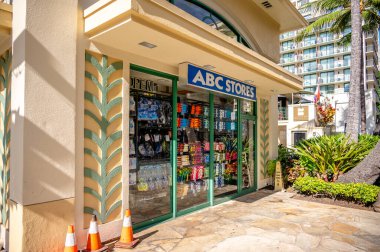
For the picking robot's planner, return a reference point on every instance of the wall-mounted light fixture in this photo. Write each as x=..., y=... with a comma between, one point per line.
x=208, y=67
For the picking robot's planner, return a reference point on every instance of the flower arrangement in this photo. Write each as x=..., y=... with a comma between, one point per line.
x=325, y=112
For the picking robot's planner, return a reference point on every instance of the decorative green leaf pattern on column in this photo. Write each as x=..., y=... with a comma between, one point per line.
x=5, y=133
x=103, y=135
x=264, y=134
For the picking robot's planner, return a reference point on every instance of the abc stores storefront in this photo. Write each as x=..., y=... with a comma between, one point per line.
x=196, y=126
x=176, y=108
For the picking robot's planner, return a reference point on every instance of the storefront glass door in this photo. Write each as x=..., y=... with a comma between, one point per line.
x=150, y=144
x=225, y=146
x=248, y=157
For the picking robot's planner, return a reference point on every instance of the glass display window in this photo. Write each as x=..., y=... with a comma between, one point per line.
x=193, y=150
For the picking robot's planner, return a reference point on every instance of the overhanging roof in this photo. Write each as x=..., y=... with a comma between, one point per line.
x=284, y=13
x=181, y=37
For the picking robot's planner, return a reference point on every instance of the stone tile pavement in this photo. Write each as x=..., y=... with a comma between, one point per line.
x=263, y=221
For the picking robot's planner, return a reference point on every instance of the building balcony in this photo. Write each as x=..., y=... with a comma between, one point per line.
x=309, y=56
x=371, y=77
x=339, y=78
x=371, y=49
x=371, y=63
x=339, y=63
x=325, y=39
x=287, y=35
x=307, y=43
x=370, y=35
x=322, y=67
x=287, y=60
x=286, y=49
x=282, y=114
x=325, y=53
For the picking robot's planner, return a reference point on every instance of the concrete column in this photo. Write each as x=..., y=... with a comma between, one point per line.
x=43, y=124
x=273, y=127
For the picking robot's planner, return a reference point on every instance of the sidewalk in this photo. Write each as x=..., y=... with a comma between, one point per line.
x=263, y=221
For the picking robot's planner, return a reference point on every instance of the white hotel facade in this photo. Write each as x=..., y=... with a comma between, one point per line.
x=320, y=60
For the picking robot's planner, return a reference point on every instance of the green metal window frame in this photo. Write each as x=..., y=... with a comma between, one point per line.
x=173, y=154
x=212, y=200
x=240, y=38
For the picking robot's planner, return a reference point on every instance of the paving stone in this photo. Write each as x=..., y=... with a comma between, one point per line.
x=334, y=245
x=344, y=228
x=307, y=241
x=267, y=222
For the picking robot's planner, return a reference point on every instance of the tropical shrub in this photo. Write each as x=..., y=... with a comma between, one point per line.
x=271, y=167
x=327, y=157
x=295, y=172
x=357, y=192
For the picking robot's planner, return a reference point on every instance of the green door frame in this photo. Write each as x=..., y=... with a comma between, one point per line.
x=173, y=155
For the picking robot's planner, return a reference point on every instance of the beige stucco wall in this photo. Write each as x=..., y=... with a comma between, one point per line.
x=43, y=124
x=261, y=31
x=40, y=227
x=43, y=100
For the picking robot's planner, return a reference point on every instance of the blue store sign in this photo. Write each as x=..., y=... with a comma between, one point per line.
x=201, y=78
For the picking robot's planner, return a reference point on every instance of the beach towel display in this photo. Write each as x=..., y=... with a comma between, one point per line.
x=193, y=152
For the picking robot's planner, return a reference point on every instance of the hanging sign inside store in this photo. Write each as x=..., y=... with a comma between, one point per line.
x=198, y=77
x=148, y=85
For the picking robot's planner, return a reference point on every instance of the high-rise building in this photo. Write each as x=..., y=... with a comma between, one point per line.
x=321, y=60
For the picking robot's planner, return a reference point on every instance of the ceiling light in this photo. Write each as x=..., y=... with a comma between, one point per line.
x=208, y=67
x=147, y=44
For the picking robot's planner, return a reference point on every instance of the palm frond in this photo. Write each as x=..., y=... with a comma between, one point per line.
x=345, y=40
x=320, y=23
x=325, y=5
x=342, y=21
x=371, y=18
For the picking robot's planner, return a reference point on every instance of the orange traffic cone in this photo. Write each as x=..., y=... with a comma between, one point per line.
x=93, y=239
x=126, y=238
x=70, y=244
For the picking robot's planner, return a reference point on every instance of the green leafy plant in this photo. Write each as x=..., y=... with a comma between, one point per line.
x=327, y=157
x=357, y=192
x=271, y=167
x=295, y=172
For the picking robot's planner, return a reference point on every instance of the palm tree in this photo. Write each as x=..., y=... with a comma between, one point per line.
x=340, y=13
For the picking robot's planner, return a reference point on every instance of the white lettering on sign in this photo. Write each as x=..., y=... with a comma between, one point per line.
x=217, y=80
x=199, y=77
x=210, y=79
